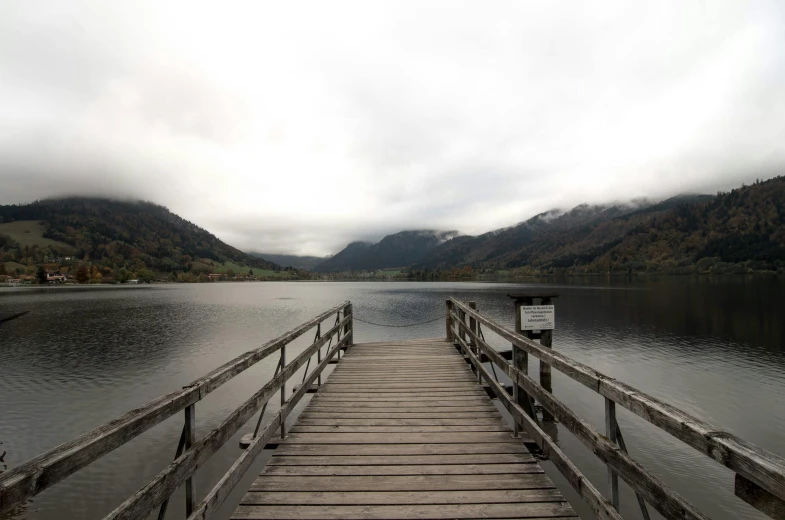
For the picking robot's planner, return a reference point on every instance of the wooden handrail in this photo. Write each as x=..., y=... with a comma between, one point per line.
x=43, y=471
x=141, y=503
x=751, y=462
x=590, y=494
x=221, y=490
x=664, y=499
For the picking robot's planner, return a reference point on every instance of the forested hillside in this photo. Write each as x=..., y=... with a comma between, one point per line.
x=735, y=232
x=113, y=236
x=739, y=231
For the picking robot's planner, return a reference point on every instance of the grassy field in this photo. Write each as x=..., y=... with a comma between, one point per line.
x=239, y=269
x=391, y=272
x=29, y=233
x=11, y=267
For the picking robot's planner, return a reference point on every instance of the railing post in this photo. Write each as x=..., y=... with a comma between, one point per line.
x=461, y=330
x=610, y=432
x=190, y=439
x=450, y=336
x=283, y=391
x=338, y=334
x=472, y=343
x=348, y=328
x=319, y=352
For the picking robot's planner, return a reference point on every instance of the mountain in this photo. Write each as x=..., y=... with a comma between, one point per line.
x=393, y=251
x=738, y=231
x=113, y=235
x=507, y=247
x=296, y=261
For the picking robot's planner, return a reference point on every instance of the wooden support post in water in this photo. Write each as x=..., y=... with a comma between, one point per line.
x=546, y=340
x=545, y=336
x=610, y=432
x=520, y=359
x=190, y=439
x=450, y=337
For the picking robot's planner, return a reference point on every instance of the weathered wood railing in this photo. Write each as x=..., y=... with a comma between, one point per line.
x=44, y=471
x=760, y=475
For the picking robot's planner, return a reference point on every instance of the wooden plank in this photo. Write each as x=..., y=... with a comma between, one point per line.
x=400, y=449
x=365, y=398
x=372, y=460
x=283, y=512
x=354, y=389
x=402, y=469
x=405, y=386
x=401, y=483
x=518, y=496
x=402, y=415
x=347, y=409
x=452, y=375
x=398, y=438
x=416, y=341
x=452, y=421
x=457, y=403
x=334, y=428
x=759, y=498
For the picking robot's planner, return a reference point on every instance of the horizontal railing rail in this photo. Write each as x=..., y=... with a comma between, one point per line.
x=760, y=478
x=34, y=476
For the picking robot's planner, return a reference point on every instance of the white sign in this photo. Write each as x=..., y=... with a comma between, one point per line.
x=538, y=317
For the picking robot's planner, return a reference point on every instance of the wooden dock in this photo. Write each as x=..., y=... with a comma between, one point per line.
x=402, y=430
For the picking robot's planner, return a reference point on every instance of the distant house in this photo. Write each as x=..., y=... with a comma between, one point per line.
x=215, y=276
x=55, y=277
x=132, y=281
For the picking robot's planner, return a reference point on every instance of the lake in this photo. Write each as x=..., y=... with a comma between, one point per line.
x=714, y=347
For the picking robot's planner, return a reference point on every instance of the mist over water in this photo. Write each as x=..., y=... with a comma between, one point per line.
x=712, y=347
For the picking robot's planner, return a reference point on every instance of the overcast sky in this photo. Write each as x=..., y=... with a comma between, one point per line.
x=299, y=126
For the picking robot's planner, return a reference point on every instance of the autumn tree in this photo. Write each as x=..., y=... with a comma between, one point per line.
x=82, y=274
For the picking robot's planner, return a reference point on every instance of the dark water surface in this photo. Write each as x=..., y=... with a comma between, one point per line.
x=712, y=347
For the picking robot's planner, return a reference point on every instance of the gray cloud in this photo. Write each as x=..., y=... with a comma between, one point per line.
x=300, y=128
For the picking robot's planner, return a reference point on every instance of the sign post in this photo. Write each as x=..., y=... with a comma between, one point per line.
x=534, y=322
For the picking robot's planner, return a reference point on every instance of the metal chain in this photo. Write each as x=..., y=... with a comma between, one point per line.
x=440, y=317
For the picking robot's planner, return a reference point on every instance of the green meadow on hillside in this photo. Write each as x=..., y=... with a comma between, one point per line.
x=29, y=233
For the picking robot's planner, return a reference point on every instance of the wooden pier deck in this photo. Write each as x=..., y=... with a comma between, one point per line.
x=402, y=430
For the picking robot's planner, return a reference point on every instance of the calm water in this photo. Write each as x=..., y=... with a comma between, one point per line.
x=715, y=348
